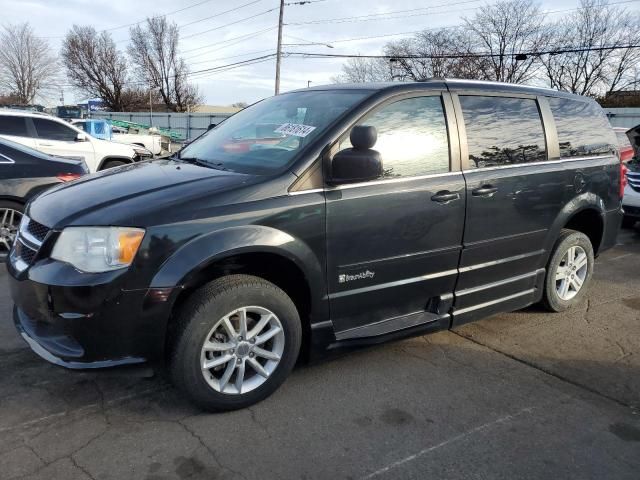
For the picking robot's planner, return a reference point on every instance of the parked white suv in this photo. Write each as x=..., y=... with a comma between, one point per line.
x=56, y=137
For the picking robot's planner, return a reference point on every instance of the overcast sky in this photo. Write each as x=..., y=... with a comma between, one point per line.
x=212, y=42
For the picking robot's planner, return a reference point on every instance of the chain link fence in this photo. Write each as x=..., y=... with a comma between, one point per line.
x=187, y=125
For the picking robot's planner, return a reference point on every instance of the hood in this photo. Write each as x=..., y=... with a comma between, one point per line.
x=116, y=148
x=126, y=195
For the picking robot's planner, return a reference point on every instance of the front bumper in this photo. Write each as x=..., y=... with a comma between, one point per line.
x=86, y=322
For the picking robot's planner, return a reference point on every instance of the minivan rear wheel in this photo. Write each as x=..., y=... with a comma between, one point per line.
x=569, y=271
x=236, y=340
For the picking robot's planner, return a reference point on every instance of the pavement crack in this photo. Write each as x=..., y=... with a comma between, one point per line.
x=623, y=352
x=254, y=419
x=211, y=452
x=548, y=372
x=80, y=467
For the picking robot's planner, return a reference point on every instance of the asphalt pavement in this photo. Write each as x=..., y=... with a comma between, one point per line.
x=520, y=395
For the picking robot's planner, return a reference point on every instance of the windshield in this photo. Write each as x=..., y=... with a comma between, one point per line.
x=266, y=137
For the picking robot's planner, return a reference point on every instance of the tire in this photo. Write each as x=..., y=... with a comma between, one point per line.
x=205, y=310
x=552, y=298
x=7, y=231
x=112, y=164
x=628, y=222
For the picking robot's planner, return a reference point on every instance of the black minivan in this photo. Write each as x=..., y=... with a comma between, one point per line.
x=316, y=221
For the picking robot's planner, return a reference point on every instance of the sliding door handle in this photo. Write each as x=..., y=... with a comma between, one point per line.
x=445, y=196
x=484, y=191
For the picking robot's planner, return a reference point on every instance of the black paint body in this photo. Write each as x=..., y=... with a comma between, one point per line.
x=25, y=172
x=435, y=263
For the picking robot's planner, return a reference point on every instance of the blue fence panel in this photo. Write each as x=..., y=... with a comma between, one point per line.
x=187, y=125
x=623, y=117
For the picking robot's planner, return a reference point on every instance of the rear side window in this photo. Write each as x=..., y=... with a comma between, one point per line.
x=50, y=130
x=412, y=137
x=583, y=128
x=503, y=131
x=16, y=126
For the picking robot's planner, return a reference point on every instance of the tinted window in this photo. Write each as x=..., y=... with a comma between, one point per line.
x=10, y=125
x=583, y=128
x=50, y=130
x=412, y=137
x=503, y=131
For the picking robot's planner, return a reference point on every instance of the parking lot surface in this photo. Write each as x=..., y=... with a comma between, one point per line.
x=520, y=395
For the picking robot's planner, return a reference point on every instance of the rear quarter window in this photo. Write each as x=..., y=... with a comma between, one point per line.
x=583, y=129
x=15, y=126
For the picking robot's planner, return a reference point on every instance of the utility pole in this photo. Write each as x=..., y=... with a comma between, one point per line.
x=279, y=51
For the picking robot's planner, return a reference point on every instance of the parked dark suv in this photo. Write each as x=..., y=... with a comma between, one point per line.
x=316, y=221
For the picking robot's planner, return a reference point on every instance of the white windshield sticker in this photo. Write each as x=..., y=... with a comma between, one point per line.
x=295, y=129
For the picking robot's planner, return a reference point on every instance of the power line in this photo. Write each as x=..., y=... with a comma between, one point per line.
x=376, y=16
x=557, y=51
x=393, y=14
x=446, y=27
x=220, y=14
x=227, y=43
x=142, y=21
x=232, y=56
x=229, y=24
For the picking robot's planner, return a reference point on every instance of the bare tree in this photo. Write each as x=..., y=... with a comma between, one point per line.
x=154, y=51
x=27, y=66
x=95, y=66
x=438, y=53
x=360, y=70
x=587, y=58
x=504, y=30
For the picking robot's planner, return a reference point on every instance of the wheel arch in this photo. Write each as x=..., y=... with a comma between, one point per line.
x=253, y=250
x=14, y=199
x=110, y=158
x=585, y=214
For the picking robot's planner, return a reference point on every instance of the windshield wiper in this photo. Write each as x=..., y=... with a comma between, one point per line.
x=205, y=163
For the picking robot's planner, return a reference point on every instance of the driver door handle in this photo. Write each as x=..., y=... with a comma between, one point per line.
x=445, y=196
x=484, y=191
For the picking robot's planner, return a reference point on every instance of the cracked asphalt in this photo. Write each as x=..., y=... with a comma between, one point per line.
x=520, y=395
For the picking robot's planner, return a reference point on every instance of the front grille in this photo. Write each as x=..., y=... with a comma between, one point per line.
x=633, y=179
x=37, y=230
x=28, y=243
x=25, y=253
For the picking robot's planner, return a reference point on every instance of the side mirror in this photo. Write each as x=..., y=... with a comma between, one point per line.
x=360, y=163
x=81, y=137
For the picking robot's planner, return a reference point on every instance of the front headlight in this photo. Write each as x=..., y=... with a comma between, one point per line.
x=98, y=249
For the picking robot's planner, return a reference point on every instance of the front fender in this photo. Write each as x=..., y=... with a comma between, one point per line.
x=205, y=250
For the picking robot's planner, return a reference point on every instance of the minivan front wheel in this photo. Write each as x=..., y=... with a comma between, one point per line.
x=569, y=271
x=237, y=340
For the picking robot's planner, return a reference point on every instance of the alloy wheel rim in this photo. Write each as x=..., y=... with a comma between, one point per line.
x=571, y=272
x=242, y=350
x=9, y=224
